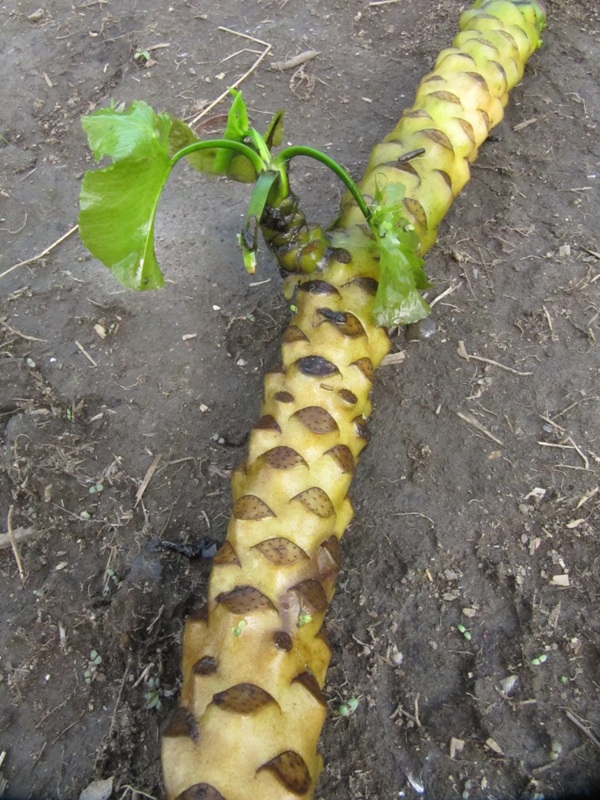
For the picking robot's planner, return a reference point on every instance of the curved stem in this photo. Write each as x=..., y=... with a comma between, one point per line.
x=229, y=144
x=300, y=150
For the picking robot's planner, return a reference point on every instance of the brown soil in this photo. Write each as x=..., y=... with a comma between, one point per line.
x=498, y=532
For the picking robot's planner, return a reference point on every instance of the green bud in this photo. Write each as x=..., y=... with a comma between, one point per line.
x=352, y=703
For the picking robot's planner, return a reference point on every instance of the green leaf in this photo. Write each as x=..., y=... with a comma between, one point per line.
x=118, y=203
x=213, y=161
x=274, y=133
x=238, y=123
x=118, y=132
x=398, y=300
x=180, y=136
x=248, y=238
x=237, y=129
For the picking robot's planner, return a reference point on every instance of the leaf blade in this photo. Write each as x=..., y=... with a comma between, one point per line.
x=117, y=216
x=398, y=300
x=118, y=203
x=117, y=132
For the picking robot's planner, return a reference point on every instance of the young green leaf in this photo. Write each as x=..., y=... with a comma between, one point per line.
x=117, y=132
x=248, y=238
x=118, y=203
x=180, y=136
x=236, y=130
x=398, y=300
x=238, y=167
x=274, y=133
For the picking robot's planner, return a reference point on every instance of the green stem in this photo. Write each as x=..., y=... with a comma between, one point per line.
x=247, y=239
x=228, y=144
x=300, y=150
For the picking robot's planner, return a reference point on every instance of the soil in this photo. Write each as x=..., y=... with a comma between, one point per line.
x=467, y=621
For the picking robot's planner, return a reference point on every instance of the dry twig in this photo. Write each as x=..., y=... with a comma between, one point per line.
x=12, y=330
x=296, y=61
x=471, y=420
x=235, y=84
x=18, y=535
x=445, y=293
x=13, y=543
x=468, y=357
x=41, y=255
x=147, y=478
x=583, y=728
x=86, y=354
x=393, y=358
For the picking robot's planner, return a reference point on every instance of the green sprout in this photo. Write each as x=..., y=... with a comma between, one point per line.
x=143, y=147
x=152, y=696
x=349, y=707
x=464, y=631
x=141, y=56
x=304, y=618
x=110, y=576
x=91, y=671
x=237, y=630
x=539, y=660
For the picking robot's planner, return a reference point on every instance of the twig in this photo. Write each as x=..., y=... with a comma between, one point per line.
x=239, y=52
x=235, y=84
x=62, y=703
x=296, y=61
x=7, y=327
x=86, y=354
x=143, y=675
x=470, y=420
x=580, y=452
x=41, y=255
x=244, y=36
x=412, y=514
x=18, y=535
x=551, y=422
x=135, y=791
x=68, y=728
x=468, y=356
x=147, y=478
x=573, y=405
x=525, y=124
x=383, y=2
x=393, y=358
x=13, y=543
x=155, y=620
x=449, y=290
x=118, y=700
x=414, y=719
x=18, y=230
x=557, y=446
x=549, y=321
x=583, y=728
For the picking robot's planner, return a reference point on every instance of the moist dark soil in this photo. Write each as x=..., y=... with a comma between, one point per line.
x=467, y=618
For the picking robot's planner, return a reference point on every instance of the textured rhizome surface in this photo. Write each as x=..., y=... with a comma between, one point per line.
x=491, y=528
